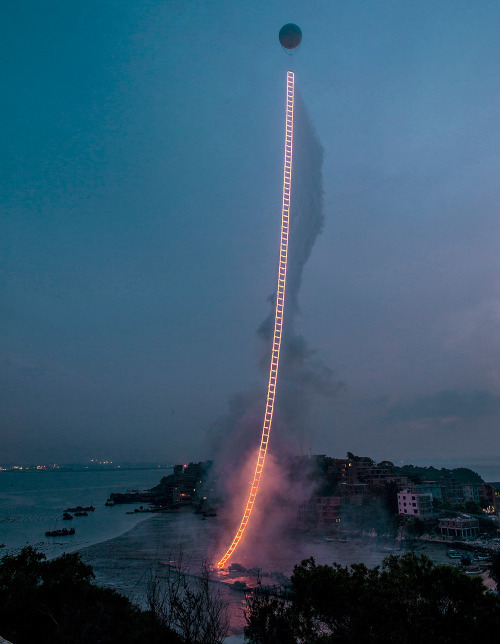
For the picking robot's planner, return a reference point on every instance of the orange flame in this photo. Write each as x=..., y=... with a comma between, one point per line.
x=278, y=320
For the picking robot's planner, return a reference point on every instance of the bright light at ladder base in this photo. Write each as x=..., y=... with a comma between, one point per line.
x=278, y=320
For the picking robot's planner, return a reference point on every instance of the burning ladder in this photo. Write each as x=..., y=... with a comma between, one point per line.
x=278, y=319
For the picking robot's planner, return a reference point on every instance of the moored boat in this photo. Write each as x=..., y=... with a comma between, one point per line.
x=81, y=508
x=63, y=532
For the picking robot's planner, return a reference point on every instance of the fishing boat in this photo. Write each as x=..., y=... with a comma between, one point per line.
x=63, y=532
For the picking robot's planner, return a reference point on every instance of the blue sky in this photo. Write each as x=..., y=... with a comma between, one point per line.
x=140, y=173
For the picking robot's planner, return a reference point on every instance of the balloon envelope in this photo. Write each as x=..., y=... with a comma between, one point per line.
x=290, y=36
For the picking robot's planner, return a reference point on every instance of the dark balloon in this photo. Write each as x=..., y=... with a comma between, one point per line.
x=290, y=36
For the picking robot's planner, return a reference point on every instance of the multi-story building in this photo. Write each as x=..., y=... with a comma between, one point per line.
x=320, y=512
x=472, y=491
x=428, y=487
x=376, y=475
x=491, y=496
x=354, y=490
x=345, y=470
x=401, y=481
x=452, y=489
x=184, y=486
x=463, y=527
x=329, y=510
x=418, y=506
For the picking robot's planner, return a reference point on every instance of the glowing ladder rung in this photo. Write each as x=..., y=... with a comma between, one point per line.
x=278, y=319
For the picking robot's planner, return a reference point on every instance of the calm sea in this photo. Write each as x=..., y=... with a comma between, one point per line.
x=33, y=502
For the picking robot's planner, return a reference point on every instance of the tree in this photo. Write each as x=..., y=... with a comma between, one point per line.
x=472, y=507
x=268, y=619
x=495, y=569
x=56, y=602
x=186, y=604
x=414, y=528
x=408, y=600
x=486, y=525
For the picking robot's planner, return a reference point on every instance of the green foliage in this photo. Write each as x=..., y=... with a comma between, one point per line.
x=408, y=600
x=419, y=474
x=472, y=507
x=438, y=504
x=268, y=620
x=358, y=459
x=414, y=528
x=55, y=601
x=486, y=525
x=388, y=465
x=495, y=569
x=466, y=475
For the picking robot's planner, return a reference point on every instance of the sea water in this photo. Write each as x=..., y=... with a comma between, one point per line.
x=33, y=502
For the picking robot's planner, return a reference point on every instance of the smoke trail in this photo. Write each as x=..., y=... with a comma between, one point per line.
x=302, y=373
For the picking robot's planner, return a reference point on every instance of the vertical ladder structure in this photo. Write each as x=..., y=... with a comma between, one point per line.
x=278, y=319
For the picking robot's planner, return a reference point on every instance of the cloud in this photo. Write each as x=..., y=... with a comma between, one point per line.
x=447, y=406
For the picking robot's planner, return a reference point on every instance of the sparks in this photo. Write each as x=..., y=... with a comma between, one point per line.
x=278, y=320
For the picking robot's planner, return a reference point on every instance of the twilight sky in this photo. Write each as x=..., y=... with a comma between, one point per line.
x=140, y=178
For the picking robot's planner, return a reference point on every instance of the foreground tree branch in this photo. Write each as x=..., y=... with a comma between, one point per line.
x=189, y=605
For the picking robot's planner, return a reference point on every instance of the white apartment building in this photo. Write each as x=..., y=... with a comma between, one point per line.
x=411, y=504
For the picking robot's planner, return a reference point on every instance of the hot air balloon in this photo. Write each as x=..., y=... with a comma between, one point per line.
x=290, y=36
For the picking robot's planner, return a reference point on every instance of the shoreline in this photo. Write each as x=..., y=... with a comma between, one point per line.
x=126, y=561
x=28, y=509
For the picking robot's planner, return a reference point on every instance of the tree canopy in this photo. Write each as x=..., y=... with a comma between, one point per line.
x=407, y=600
x=55, y=601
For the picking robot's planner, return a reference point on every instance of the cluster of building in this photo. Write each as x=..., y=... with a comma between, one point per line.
x=186, y=486
x=423, y=496
x=419, y=501
x=342, y=482
x=183, y=487
x=354, y=480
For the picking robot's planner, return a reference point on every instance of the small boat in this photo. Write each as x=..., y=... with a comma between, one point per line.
x=453, y=554
x=67, y=516
x=63, y=532
x=109, y=502
x=81, y=514
x=81, y=508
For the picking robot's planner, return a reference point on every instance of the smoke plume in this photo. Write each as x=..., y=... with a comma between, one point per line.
x=302, y=375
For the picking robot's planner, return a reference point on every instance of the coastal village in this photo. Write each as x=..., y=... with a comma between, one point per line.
x=357, y=497
x=333, y=506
